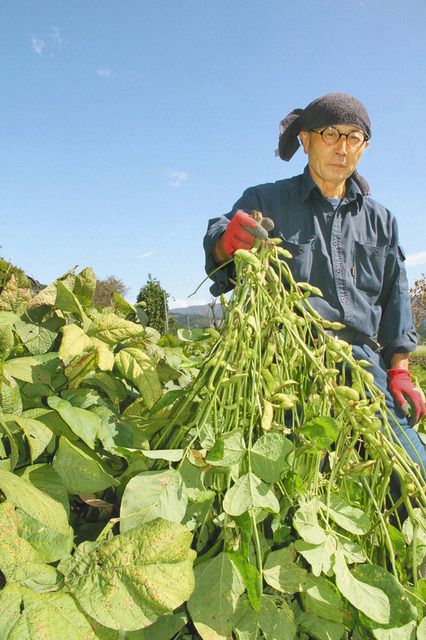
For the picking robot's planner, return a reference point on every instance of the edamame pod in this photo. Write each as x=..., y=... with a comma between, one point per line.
x=267, y=415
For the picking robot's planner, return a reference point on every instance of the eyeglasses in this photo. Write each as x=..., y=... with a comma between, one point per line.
x=331, y=135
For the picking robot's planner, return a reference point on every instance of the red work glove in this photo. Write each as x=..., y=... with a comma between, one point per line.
x=405, y=393
x=241, y=233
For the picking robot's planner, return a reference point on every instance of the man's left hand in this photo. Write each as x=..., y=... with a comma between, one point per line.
x=405, y=393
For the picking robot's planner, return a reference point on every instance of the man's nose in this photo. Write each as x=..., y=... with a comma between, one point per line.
x=341, y=144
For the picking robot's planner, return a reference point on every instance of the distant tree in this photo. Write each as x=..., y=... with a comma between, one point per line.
x=157, y=306
x=104, y=290
x=418, y=303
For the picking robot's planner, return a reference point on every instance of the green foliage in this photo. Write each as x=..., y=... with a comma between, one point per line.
x=76, y=388
x=143, y=494
x=418, y=304
x=155, y=300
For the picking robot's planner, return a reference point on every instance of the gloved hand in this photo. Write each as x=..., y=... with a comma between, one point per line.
x=405, y=393
x=241, y=233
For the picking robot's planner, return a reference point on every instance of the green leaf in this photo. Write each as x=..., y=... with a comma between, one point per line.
x=68, y=302
x=50, y=544
x=79, y=367
x=79, y=472
x=153, y=494
x=105, y=355
x=44, y=522
x=115, y=431
x=74, y=342
x=137, y=367
x=350, y=518
x=275, y=622
x=165, y=628
x=111, y=329
x=351, y=550
x=306, y=522
x=398, y=540
x=247, y=493
x=421, y=630
x=8, y=318
x=85, y=286
x=368, y=599
x=319, y=556
x=26, y=615
x=191, y=335
x=121, y=306
x=111, y=386
x=36, y=369
x=37, y=338
x=251, y=577
x=82, y=398
x=281, y=572
x=401, y=610
x=418, y=525
x=7, y=341
x=45, y=297
x=321, y=598
x=45, y=478
x=229, y=449
x=319, y=433
x=37, y=434
x=166, y=400
x=19, y=561
x=10, y=395
x=319, y=628
x=14, y=452
x=34, y=502
x=83, y=423
x=405, y=632
x=129, y=581
x=14, y=295
x=218, y=585
x=270, y=456
x=172, y=455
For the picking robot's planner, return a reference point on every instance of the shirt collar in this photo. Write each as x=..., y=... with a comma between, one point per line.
x=308, y=184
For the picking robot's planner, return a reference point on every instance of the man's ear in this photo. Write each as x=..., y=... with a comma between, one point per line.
x=304, y=139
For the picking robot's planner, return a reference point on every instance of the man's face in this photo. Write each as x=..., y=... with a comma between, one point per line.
x=331, y=164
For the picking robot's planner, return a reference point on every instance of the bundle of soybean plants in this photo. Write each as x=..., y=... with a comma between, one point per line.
x=308, y=517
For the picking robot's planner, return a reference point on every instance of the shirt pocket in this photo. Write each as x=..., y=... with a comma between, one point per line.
x=402, y=280
x=301, y=262
x=369, y=267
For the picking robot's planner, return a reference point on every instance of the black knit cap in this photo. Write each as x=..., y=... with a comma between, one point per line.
x=331, y=109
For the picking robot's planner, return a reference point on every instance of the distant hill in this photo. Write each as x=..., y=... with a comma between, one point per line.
x=198, y=316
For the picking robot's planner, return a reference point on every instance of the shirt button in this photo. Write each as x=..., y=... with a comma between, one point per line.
x=343, y=300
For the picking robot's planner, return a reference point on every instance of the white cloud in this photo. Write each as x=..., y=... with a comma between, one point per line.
x=106, y=72
x=186, y=303
x=146, y=254
x=416, y=259
x=177, y=178
x=38, y=45
x=57, y=40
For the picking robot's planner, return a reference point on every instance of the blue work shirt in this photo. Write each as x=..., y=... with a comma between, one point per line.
x=350, y=252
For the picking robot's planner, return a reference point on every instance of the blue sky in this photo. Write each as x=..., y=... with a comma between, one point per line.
x=127, y=124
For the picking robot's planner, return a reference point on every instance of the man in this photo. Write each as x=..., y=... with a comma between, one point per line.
x=342, y=241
